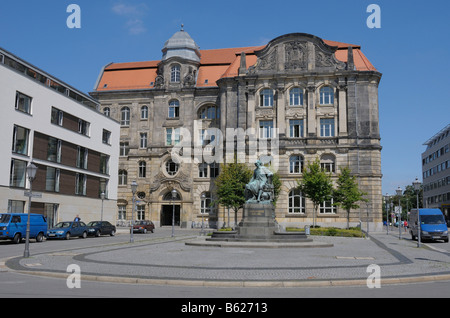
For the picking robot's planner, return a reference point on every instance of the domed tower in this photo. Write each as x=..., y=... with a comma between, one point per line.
x=180, y=61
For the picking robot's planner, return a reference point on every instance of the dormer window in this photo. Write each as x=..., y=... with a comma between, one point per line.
x=175, y=74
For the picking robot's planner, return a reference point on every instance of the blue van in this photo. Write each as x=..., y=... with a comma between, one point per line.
x=13, y=226
x=432, y=224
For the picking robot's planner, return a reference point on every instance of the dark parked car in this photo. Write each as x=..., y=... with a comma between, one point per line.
x=143, y=226
x=67, y=230
x=98, y=228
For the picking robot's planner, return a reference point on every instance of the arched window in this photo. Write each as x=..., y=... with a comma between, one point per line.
x=107, y=111
x=296, y=97
x=266, y=98
x=125, y=116
x=174, y=109
x=123, y=177
x=142, y=169
x=144, y=112
x=175, y=74
x=326, y=95
x=327, y=163
x=295, y=164
x=172, y=167
x=296, y=201
x=210, y=112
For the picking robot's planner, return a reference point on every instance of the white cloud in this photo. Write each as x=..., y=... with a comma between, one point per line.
x=134, y=15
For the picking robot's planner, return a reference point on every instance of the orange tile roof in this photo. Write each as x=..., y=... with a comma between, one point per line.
x=214, y=65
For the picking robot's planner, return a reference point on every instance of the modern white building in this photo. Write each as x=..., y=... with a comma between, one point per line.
x=60, y=130
x=436, y=172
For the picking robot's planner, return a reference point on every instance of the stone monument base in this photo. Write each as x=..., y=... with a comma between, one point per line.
x=258, y=225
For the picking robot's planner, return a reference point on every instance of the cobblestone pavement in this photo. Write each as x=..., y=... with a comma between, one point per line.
x=169, y=260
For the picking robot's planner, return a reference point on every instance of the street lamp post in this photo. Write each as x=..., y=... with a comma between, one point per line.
x=387, y=214
x=174, y=195
x=203, y=200
x=399, y=194
x=102, y=196
x=133, y=190
x=416, y=185
x=31, y=173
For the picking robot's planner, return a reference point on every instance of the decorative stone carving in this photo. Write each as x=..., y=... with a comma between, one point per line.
x=295, y=55
x=264, y=113
x=181, y=178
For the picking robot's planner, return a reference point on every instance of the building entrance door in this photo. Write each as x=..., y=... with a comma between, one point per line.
x=167, y=213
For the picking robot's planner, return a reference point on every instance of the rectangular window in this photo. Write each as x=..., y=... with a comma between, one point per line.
x=83, y=127
x=124, y=149
x=52, y=179
x=104, y=164
x=82, y=157
x=17, y=173
x=214, y=170
x=23, y=103
x=172, y=136
x=106, y=137
x=122, y=212
x=296, y=128
x=80, y=184
x=265, y=129
x=140, y=212
x=327, y=127
x=20, y=140
x=15, y=206
x=203, y=170
x=57, y=116
x=54, y=150
x=143, y=140
x=327, y=207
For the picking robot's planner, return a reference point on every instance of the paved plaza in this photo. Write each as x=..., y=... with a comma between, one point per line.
x=162, y=259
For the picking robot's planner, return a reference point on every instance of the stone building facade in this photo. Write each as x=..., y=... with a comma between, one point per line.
x=298, y=98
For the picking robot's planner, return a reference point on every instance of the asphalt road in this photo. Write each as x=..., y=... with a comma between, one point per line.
x=15, y=285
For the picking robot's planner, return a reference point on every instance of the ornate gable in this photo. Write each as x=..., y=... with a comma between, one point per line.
x=296, y=52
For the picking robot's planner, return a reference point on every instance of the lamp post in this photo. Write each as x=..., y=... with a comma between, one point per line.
x=387, y=213
x=133, y=190
x=31, y=173
x=399, y=193
x=174, y=196
x=203, y=200
x=102, y=196
x=416, y=185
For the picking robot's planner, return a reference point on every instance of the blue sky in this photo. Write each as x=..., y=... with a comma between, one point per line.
x=411, y=49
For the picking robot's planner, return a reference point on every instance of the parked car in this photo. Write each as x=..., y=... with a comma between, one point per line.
x=143, y=226
x=13, y=226
x=68, y=229
x=98, y=228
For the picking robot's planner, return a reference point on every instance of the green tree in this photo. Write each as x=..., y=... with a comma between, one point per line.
x=231, y=185
x=316, y=185
x=347, y=193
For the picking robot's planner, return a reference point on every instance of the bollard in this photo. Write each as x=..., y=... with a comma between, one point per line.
x=307, y=231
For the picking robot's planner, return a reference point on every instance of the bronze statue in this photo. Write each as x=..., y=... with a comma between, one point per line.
x=260, y=189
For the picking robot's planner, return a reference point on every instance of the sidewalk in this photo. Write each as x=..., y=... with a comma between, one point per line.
x=169, y=260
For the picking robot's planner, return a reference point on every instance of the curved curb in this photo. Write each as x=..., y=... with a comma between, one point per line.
x=247, y=284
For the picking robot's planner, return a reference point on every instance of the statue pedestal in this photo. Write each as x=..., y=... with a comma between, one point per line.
x=257, y=221
x=258, y=225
